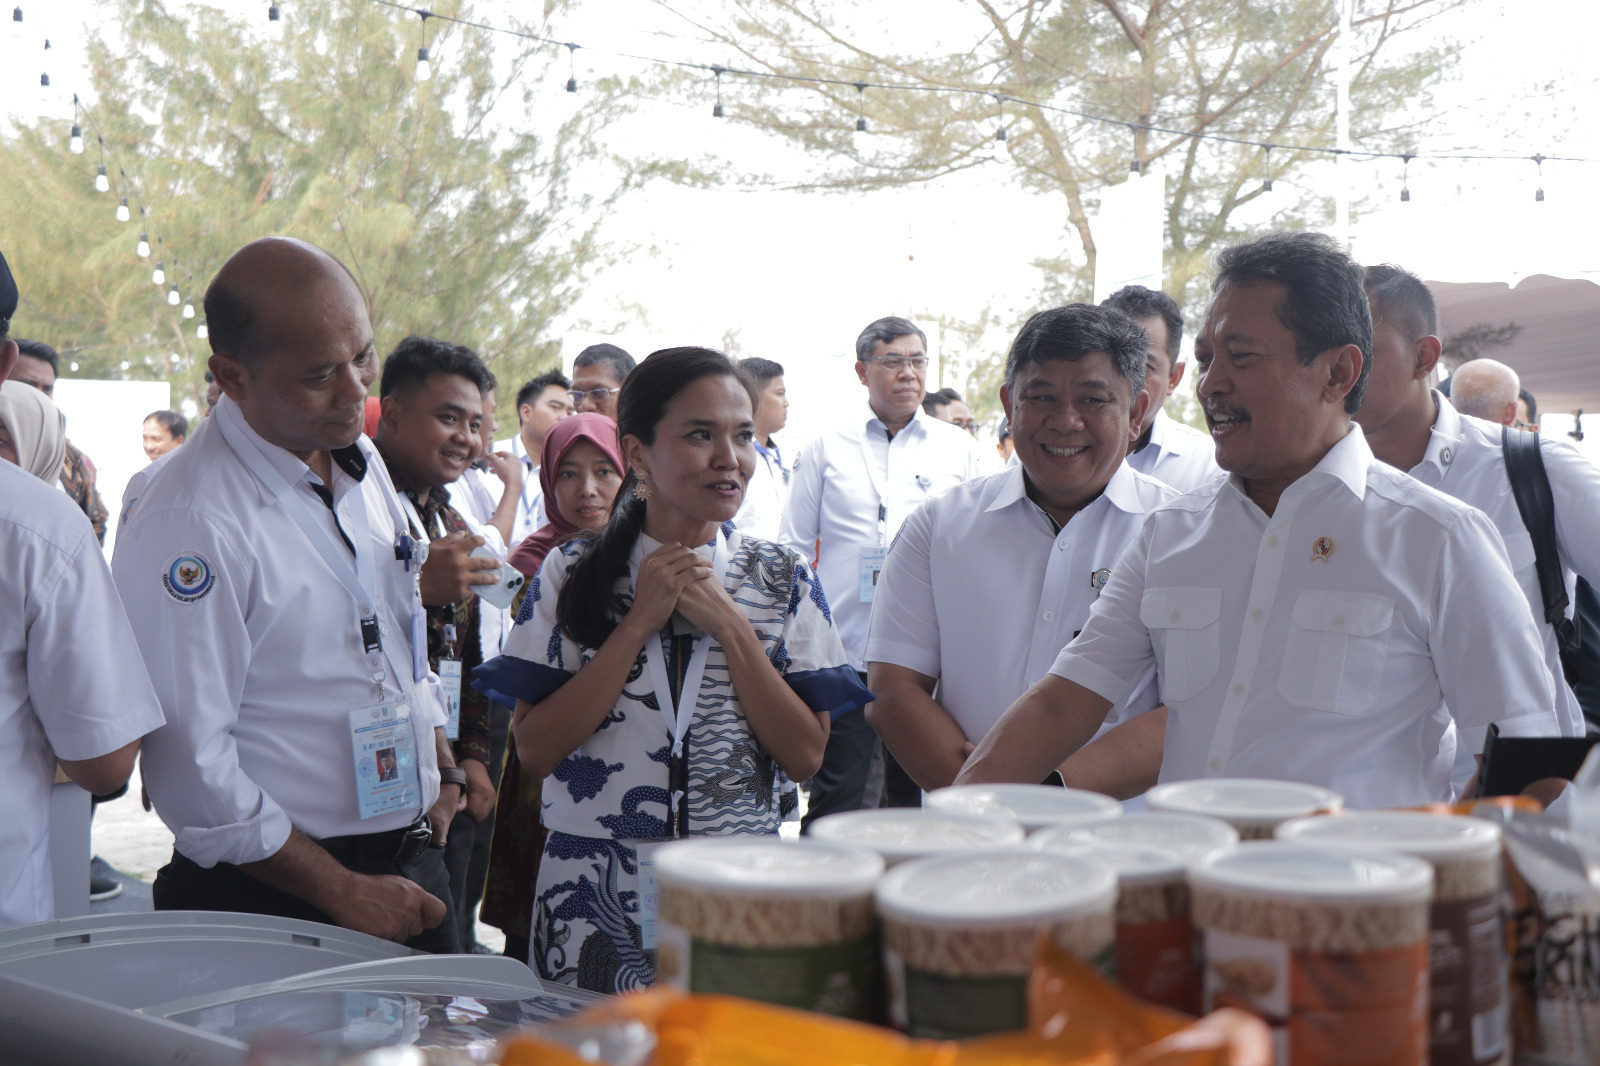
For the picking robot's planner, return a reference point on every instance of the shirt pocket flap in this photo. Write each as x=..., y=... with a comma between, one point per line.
x=1353, y=613
x=1172, y=608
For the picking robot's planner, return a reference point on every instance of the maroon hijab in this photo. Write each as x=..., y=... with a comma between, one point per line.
x=599, y=431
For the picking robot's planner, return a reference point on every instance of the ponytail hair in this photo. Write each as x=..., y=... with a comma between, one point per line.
x=589, y=606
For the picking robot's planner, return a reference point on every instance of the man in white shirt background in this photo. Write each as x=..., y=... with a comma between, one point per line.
x=1486, y=389
x=1166, y=449
x=947, y=406
x=541, y=403
x=597, y=376
x=273, y=589
x=850, y=490
x=489, y=493
x=1317, y=616
x=985, y=584
x=761, y=513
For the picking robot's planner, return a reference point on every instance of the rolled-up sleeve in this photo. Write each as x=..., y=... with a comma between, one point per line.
x=1486, y=648
x=197, y=649
x=1113, y=653
x=904, y=630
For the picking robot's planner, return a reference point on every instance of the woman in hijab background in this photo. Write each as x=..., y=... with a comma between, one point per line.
x=33, y=432
x=580, y=470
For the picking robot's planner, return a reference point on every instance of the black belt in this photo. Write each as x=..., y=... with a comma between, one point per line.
x=395, y=845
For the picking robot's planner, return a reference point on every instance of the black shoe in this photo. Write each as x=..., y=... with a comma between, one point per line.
x=103, y=885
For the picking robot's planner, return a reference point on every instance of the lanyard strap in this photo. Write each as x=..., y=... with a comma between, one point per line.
x=677, y=716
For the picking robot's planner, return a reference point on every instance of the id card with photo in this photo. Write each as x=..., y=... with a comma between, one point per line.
x=450, y=681
x=871, y=567
x=387, y=776
x=649, y=891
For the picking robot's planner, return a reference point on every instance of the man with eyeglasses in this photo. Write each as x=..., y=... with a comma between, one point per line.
x=597, y=376
x=850, y=490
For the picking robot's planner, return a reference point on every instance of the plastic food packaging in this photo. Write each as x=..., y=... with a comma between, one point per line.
x=1157, y=958
x=960, y=933
x=1469, y=969
x=1252, y=806
x=1033, y=806
x=786, y=922
x=900, y=834
x=1328, y=945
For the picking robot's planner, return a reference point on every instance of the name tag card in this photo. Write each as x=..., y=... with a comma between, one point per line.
x=450, y=681
x=649, y=891
x=385, y=748
x=871, y=567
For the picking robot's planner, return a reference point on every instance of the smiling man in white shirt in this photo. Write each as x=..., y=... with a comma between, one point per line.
x=851, y=488
x=985, y=584
x=273, y=588
x=541, y=403
x=1317, y=616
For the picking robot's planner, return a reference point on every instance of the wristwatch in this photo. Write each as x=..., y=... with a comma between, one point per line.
x=453, y=775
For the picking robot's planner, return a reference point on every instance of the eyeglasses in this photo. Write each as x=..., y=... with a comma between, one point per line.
x=597, y=395
x=897, y=362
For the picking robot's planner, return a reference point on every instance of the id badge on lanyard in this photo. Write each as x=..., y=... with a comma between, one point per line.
x=450, y=681
x=872, y=558
x=649, y=891
x=388, y=778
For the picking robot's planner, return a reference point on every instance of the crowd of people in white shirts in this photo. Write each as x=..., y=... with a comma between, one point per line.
x=353, y=635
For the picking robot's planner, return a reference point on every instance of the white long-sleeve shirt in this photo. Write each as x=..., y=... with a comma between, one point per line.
x=255, y=647
x=1333, y=643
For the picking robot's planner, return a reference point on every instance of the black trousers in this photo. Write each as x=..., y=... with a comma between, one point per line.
x=841, y=783
x=183, y=885
x=466, y=853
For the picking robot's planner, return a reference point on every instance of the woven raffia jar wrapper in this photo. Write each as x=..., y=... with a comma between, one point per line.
x=1469, y=969
x=900, y=834
x=960, y=933
x=1151, y=852
x=785, y=922
x=1253, y=806
x=1034, y=807
x=1329, y=945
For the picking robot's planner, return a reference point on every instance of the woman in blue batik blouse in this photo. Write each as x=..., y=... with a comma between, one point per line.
x=670, y=677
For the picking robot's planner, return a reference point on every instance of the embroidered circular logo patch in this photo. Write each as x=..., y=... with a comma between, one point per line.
x=188, y=577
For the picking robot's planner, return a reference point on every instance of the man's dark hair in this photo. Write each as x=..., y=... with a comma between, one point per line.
x=1533, y=408
x=619, y=362
x=41, y=351
x=935, y=400
x=533, y=389
x=883, y=331
x=761, y=371
x=1404, y=299
x=416, y=359
x=1005, y=434
x=1324, y=300
x=1077, y=330
x=177, y=425
x=1136, y=301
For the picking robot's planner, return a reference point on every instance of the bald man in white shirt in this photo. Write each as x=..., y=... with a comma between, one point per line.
x=1486, y=389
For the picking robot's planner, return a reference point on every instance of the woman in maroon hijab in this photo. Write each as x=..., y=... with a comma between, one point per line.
x=580, y=470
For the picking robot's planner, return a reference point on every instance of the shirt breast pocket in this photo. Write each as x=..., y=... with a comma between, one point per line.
x=1333, y=658
x=1519, y=550
x=1184, y=630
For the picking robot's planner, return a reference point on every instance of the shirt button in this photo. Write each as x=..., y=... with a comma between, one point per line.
x=1174, y=616
x=1444, y=457
x=1272, y=542
x=1256, y=614
x=1238, y=687
x=1338, y=619
x=1049, y=616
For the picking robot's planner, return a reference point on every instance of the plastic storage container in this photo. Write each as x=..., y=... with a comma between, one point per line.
x=960, y=933
x=1253, y=806
x=1033, y=806
x=903, y=833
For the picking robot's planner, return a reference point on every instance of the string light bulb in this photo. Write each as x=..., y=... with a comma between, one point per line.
x=122, y=211
x=188, y=309
x=716, y=111
x=1405, y=179
x=424, y=68
x=143, y=247
x=1137, y=166
x=1266, y=164
x=1538, y=194
x=572, y=68
x=999, y=146
x=201, y=331
x=158, y=276
x=75, y=141
x=172, y=295
x=16, y=15
x=101, y=182
x=274, y=23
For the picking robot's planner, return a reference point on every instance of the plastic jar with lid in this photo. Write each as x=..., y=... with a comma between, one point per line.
x=784, y=922
x=960, y=933
x=1156, y=952
x=1253, y=806
x=1329, y=945
x=1034, y=807
x=900, y=834
x=1469, y=970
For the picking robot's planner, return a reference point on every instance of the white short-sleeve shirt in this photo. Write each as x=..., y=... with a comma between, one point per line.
x=72, y=683
x=259, y=658
x=839, y=482
x=1177, y=455
x=982, y=592
x=761, y=513
x=1322, y=644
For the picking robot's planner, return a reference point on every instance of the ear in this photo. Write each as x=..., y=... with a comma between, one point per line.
x=1177, y=375
x=524, y=413
x=1005, y=401
x=1344, y=370
x=633, y=450
x=1508, y=417
x=1136, y=412
x=9, y=354
x=861, y=371
x=231, y=377
x=389, y=413
x=1427, y=351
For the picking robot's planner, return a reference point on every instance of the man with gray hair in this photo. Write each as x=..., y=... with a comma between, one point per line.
x=851, y=488
x=1486, y=389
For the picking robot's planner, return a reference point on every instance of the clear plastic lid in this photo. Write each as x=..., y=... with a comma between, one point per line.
x=1427, y=836
x=902, y=833
x=1315, y=873
x=1015, y=886
x=1135, y=864
x=1181, y=837
x=1244, y=799
x=766, y=866
x=1034, y=806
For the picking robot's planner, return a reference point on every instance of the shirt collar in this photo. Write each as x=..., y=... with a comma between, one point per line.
x=1346, y=462
x=1120, y=490
x=1162, y=437
x=428, y=503
x=352, y=460
x=1448, y=432
x=874, y=421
